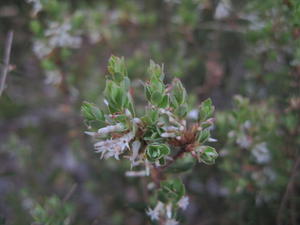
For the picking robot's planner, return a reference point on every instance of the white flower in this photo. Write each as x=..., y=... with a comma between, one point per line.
x=223, y=10
x=59, y=36
x=105, y=102
x=53, y=77
x=109, y=129
x=170, y=128
x=141, y=173
x=41, y=49
x=136, y=121
x=168, y=135
x=183, y=202
x=154, y=213
x=114, y=147
x=243, y=141
x=90, y=133
x=171, y=222
x=128, y=113
x=135, y=152
x=261, y=153
x=212, y=140
x=193, y=114
x=103, y=132
x=169, y=211
x=37, y=6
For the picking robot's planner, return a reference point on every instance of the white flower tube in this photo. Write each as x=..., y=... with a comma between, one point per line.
x=109, y=129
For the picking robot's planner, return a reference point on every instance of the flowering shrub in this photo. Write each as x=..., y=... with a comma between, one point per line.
x=155, y=139
x=251, y=150
x=218, y=48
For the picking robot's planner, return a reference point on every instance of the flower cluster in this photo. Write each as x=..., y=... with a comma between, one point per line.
x=58, y=36
x=154, y=140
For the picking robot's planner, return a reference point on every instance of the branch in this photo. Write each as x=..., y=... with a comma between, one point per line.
x=174, y=158
x=288, y=190
x=7, y=52
x=157, y=173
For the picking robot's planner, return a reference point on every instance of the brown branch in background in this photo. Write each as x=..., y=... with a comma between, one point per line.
x=288, y=191
x=214, y=74
x=70, y=192
x=7, y=52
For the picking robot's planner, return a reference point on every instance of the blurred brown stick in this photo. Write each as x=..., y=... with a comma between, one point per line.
x=288, y=191
x=70, y=193
x=7, y=52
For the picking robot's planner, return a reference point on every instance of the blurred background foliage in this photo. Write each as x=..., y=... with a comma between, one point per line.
x=244, y=54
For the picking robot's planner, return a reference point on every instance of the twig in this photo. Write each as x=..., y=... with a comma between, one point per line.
x=288, y=190
x=174, y=158
x=7, y=52
x=158, y=172
x=70, y=192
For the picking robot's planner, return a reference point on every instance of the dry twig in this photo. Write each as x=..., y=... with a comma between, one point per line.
x=288, y=191
x=7, y=52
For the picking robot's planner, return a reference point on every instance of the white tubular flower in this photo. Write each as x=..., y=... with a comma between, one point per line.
x=135, y=152
x=168, y=135
x=183, y=202
x=169, y=211
x=171, y=222
x=212, y=140
x=128, y=113
x=136, y=120
x=142, y=173
x=147, y=167
x=93, y=134
x=114, y=147
x=170, y=128
x=154, y=213
x=109, y=129
x=105, y=102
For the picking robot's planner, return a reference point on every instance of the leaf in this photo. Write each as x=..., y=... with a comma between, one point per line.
x=91, y=112
x=165, y=102
x=116, y=96
x=156, y=151
x=208, y=155
x=181, y=111
x=206, y=109
x=151, y=116
x=125, y=84
x=178, y=91
x=182, y=165
x=203, y=136
x=148, y=92
x=156, y=98
x=156, y=70
x=117, y=68
x=171, y=190
x=156, y=85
